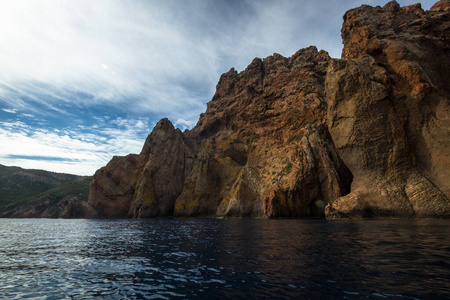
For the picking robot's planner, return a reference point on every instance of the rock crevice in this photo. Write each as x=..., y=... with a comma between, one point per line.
x=308, y=136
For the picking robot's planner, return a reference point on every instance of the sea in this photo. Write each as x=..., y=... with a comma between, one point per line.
x=224, y=259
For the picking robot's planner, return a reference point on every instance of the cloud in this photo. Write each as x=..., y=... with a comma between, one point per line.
x=165, y=55
x=70, y=151
x=41, y=158
x=84, y=80
x=109, y=50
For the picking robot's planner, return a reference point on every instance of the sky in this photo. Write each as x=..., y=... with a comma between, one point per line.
x=84, y=80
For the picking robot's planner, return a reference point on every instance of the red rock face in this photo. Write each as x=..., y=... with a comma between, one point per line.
x=112, y=189
x=170, y=157
x=388, y=110
x=144, y=185
x=264, y=150
x=367, y=135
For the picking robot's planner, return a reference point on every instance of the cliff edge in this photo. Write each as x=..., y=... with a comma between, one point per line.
x=388, y=110
x=366, y=135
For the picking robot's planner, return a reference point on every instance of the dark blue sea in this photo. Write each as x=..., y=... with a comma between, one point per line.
x=224, y=259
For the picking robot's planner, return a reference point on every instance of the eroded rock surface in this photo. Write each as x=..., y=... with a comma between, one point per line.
x=264, y=150
x=388, y=110
x=144, y=185
x=366, y=135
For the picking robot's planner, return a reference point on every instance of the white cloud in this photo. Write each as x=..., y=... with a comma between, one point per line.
x=156, y=53
x=183, y=123
x=69, y=151
x=141, y=48
x=140, y=58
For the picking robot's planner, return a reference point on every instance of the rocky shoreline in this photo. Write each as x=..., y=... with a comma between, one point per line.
x=308, y=136
x=364, y=136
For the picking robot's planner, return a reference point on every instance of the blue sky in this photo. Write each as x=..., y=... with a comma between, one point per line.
x=82, y=80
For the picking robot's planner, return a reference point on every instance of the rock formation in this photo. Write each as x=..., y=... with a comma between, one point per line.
x=263, y=148
x=145, y=185
x=388, y=110
x=362, y=136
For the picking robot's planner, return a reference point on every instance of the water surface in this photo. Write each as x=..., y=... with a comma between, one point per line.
x=223, y=259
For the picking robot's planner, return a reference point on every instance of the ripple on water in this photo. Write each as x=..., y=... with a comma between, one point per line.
x=170, y=259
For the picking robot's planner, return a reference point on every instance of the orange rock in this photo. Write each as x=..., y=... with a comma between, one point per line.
x=362, y=136
x=388, y=111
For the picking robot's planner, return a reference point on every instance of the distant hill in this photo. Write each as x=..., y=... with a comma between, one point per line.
x=38, y=193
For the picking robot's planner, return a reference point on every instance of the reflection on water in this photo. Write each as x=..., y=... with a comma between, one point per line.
x=208, y=258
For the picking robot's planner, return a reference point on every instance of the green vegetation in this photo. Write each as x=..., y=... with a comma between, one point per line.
x=27, y=189
x=310, y=132
x=308, y=91
x=286, y=170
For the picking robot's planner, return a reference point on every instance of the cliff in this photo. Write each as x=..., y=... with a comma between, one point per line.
x=388, y=110
x=148, y=184
x=362, y=136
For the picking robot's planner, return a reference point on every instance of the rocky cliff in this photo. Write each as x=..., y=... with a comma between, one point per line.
x=148, y=184
x=362, y=136
x=388, y=110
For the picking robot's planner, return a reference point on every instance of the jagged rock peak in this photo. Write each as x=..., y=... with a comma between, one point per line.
x=441, y=6
x=163, y=127
x=366, y=28
x=366, y=135
x=260, y=76
x=164, y=124
x=258, y=153
x=310, y=54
